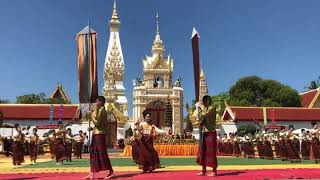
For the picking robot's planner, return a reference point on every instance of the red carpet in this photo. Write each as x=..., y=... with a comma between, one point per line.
x=183, y=175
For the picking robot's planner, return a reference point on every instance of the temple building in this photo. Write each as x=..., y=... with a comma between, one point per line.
x=42, y=116
x=156, y=92
x=113, y=88
x=60, y=94
x=299, y=117
x=114, y=62
x=203, y=85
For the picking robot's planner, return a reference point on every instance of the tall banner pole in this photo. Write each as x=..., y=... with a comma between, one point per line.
x=196, y=62
x=196, y=71
x=90, y=90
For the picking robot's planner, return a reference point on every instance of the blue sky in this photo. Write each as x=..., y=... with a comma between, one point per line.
x=273, y=39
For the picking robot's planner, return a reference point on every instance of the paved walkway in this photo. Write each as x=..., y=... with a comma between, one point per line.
x=247, y=172
x=181, y=175
x=6, y=167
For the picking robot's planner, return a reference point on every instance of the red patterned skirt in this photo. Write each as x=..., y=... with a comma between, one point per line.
x=78, y=149
x=59, y=150
x=248, y=150
x=315, y=149
x=208, y=157
x=99, y=159
x=277, y=149
x=33, y=150
x=236, y=149
x=225, y=149
x=135, y=151
x=51, y=148
x=220, y=149
x=283, y=150
x=305, y=149
x=230, y=148
x=148, y=158
x=17, y=153
x=267, y=153
x=293, y=154
x=260, y=148
x=68, y=151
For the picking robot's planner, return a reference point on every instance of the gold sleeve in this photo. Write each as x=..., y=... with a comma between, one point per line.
x=194, y=117
x=94, y=116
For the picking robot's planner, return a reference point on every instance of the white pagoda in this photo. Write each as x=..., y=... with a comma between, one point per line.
x=114, y=62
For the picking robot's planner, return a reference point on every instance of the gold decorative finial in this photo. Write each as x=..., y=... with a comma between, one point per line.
x=202, y=73
x=157, y=46
x=114, y=13
x=114, y=23
x=158, y=19
x=201, y=69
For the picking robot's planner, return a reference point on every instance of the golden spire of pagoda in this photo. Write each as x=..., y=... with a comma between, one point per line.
x=158, y=19
x=157, y=46
x=202, y=73
x=203, y=84
x=114, y=12
x=202, y=76
x=114, y=23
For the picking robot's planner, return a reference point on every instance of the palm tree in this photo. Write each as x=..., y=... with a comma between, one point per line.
x=314, y=84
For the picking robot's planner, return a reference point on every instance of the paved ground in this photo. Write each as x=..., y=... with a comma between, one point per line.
x=177, y=167
x=177, y=175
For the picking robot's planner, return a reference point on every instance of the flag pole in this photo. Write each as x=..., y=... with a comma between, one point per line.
x=196, y=71
x=89, y=58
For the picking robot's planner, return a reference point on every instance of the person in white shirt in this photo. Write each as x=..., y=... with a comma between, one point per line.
x=148, y=156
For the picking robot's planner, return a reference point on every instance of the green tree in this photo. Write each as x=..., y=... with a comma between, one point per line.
x=56, y=101
x=39, y=99
x=220, y=101
x=4, y=101
x=255, y=91
x=246, y=129
x=31, y=99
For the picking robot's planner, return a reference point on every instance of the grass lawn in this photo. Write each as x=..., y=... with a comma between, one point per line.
x=180, y=161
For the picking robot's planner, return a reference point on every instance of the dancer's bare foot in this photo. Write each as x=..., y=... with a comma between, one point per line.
x=201, y=174
x=151, y=169
x=110, y=175
x=144, y=171
x=89, y=176
x=213, y=174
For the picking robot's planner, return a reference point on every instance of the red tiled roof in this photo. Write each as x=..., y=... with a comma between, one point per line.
x=36, y=111
x=280, y=113
x=307, y=97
